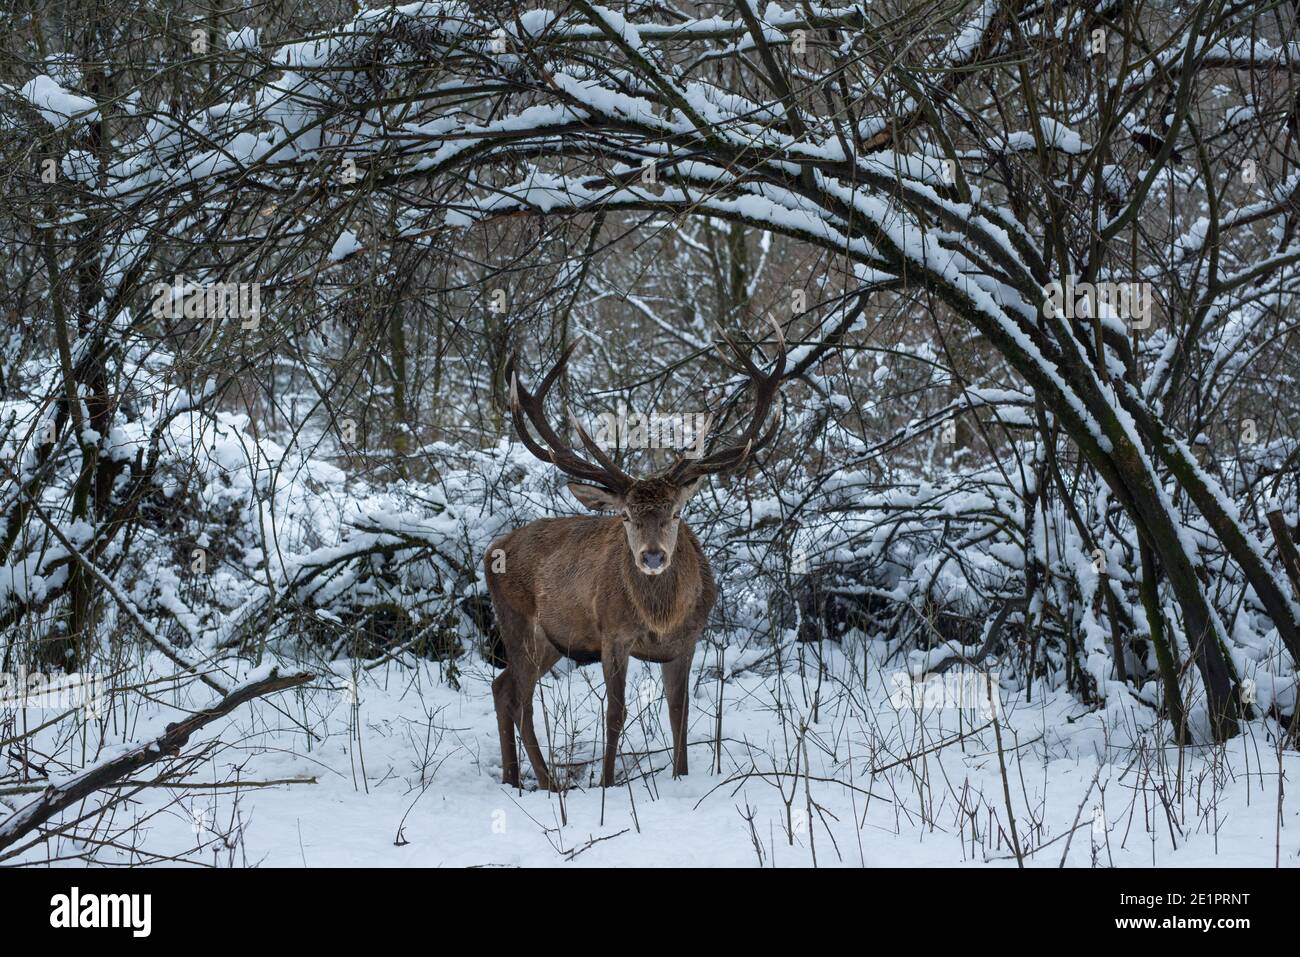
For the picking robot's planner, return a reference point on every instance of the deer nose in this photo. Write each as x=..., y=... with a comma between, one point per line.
x=652, y=559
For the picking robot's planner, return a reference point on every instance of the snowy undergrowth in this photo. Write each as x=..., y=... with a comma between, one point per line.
x=815, y=758
x=818, y=765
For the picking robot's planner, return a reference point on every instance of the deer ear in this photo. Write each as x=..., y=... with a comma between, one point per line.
x=596, y=499
x=686, y=491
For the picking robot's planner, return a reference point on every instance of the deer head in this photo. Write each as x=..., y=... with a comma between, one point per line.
x=651, y=508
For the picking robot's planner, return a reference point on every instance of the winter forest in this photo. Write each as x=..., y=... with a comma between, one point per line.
x=908, y=389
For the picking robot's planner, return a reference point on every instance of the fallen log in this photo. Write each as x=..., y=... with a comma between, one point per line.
x=56, y=797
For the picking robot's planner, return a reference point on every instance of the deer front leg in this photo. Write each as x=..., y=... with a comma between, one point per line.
x=614, y=662
x=677, y=681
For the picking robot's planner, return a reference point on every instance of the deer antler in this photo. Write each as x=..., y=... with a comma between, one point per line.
x=555, y=450
x=736, y=454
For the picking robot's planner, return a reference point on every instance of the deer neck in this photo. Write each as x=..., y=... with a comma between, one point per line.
x=663, y=601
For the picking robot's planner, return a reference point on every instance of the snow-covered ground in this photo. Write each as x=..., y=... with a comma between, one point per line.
x=407, y=773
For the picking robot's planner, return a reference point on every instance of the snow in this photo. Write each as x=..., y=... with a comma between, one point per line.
x=58, y=106
x=964, y=44
x=344, y=246
x=411, y=777
x=243, y=39
x=1055, y=135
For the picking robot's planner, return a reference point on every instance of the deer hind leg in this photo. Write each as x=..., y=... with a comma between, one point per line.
x=503, y=695
x=514, y=637
x=540, y=659
x=677, y=682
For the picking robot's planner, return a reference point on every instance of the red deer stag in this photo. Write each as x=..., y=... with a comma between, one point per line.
x=606, y=589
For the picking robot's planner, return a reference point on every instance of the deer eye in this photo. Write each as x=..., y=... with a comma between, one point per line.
x=627, y=516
